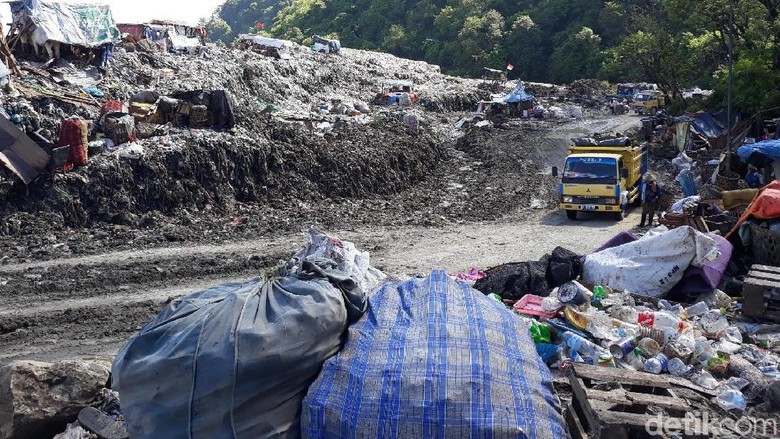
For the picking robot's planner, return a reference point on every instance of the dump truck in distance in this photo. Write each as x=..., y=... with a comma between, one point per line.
x=597, y=173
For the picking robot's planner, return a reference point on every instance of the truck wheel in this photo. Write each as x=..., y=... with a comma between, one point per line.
x=618, y=215
x=571, y=214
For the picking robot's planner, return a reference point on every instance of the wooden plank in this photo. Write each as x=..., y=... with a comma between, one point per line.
x=766, y=275
x=623, y=397
x=576, y=430
x=762, y=283
x=580, y=397
x=642, y=421
x=768, y=268
x=621, y=376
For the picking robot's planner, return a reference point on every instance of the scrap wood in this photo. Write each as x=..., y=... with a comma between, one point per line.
x=67, y=98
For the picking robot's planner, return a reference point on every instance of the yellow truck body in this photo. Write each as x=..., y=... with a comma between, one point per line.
x=648, y=102
x=594, y=177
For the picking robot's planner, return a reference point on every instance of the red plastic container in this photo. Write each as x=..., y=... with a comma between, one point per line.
x=532, y=305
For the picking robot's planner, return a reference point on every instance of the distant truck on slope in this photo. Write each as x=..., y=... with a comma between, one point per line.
x=325, y=45
x=597, y=173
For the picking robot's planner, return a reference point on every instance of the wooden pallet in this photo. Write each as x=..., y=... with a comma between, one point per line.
x=622, y=412
x=757, y=298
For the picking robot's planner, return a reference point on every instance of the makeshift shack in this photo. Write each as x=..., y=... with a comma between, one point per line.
x=272, y=47
x=50, y=24
x=169, y=36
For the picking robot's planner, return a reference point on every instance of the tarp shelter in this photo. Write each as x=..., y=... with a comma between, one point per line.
x=706, y=125
x=761, y=153
x=86, y=25
x=19, y=153
x=518, y=95
x=263, y=41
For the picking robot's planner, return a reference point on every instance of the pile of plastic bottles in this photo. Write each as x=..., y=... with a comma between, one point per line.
x=613, y=329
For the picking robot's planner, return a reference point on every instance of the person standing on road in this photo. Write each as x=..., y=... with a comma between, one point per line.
x=651, y=196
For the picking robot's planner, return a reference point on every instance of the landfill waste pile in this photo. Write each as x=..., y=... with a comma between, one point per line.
x=162, y=147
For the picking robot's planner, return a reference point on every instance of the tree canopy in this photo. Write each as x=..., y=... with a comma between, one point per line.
x=675, y=43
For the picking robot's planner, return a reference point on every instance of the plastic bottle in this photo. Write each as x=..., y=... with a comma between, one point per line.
x=660, y=320
x=731, y=399
x=599, y=294
x=657, y=364
x=649, y=346
x=635, y=359
x=712, y=322
x=697, y=309
x=705, y=379
x=678, y=367
x=731, y=334
x=581, y=345
x=664, y=319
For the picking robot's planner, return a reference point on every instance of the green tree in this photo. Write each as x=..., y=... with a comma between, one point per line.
x=579, y=56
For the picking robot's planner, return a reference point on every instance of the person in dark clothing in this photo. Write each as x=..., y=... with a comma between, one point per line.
x=753, y=178
x=651, y=196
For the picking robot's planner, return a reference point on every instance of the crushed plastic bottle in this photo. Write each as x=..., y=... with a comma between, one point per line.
x=635, y=359
x=657, y=364
x=737, y=383
x=731, y=334
x=551, y=304
x=677, y=367
x=712, y=322
x=731, y=399
x=697, y=309
x=705, y=379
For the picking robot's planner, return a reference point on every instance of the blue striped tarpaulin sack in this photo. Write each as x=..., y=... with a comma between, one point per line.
x=434, y=358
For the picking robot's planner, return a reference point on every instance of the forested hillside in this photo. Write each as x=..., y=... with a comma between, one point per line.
x=675, y=43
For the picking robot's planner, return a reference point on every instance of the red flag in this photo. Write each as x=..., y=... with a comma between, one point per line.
x=260, y=26
x=510, y=66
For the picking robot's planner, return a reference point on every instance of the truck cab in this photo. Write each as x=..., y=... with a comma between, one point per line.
x=648, y=102
x=595, y=177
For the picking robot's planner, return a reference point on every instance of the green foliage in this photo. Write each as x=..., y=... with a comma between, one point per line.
x=675, y=43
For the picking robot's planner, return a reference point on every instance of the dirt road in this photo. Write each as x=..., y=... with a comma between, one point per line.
x=88, y=306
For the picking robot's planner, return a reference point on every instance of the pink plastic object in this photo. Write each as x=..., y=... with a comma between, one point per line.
x=532, y=305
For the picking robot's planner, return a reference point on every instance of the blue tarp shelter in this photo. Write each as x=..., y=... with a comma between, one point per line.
x=518, y=95
x=707, y=125
x=760, y=153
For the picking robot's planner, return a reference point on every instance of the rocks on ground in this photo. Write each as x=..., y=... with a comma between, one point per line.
x=37, y=399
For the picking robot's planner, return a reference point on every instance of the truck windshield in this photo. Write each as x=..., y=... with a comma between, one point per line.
x=590, y=170
x=642, y=97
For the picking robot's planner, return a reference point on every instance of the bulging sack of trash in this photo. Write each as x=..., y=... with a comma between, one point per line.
x=434, y=358
x=235, y=361
x=350, y=260
x=653, y=265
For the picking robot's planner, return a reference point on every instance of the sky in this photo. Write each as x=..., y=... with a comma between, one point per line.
x=133, y=11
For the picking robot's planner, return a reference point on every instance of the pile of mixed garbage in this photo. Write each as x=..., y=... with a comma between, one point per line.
x=411, y=355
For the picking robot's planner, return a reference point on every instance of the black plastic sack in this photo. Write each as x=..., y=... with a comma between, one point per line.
x=515, y=280
x=235, y=361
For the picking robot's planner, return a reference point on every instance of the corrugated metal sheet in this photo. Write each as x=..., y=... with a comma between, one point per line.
x=19, y=153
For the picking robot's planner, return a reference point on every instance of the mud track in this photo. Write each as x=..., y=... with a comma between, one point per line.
x=85, y=305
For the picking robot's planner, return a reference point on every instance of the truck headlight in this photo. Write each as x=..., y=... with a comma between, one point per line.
x=568, y=199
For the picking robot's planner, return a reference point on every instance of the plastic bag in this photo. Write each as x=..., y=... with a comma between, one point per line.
x=235, y=361
x=653, y=264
